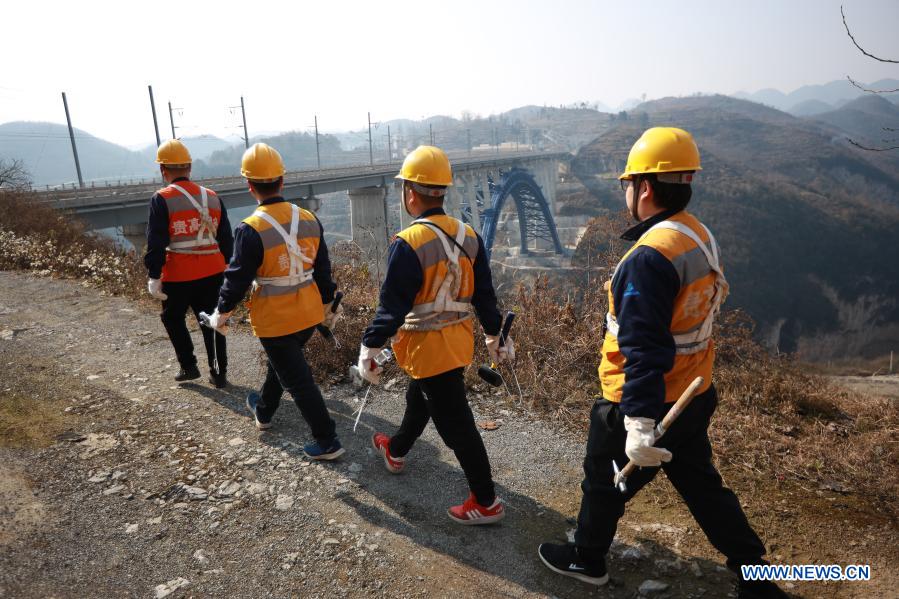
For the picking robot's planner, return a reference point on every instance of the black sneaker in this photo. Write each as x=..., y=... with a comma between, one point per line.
x=188, y=374
x=759, y=589
x=218, y=380
x=564, y=560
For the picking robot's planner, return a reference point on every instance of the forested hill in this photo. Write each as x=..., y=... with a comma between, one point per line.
x=809, y=224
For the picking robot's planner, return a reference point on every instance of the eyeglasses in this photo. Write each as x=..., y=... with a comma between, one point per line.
x=625, y=183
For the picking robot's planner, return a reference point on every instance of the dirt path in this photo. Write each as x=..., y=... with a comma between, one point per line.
x=117, y=482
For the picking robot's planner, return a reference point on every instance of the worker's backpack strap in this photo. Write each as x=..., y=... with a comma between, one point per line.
x=297, y=273
x=698, y=339
x=205, y=234
x=427, y=316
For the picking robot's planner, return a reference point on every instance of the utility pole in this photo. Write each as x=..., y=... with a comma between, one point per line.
x=389, y=148
x=371, y=156
x=495, y=144
x=172, y=120
x=318, y=156
x=431, y=132
x=468, y=133
x=246, y=135
x=153, y=109
x=65, y=104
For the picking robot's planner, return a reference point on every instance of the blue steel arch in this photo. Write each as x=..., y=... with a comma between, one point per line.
x=535, y=218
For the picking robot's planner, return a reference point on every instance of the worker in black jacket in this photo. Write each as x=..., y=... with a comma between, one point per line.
x=189, y=242
x=437, y=271
x=664, y=296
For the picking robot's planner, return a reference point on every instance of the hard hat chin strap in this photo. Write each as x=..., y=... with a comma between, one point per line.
x=636, y=202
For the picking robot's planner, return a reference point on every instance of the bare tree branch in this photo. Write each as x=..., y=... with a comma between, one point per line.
x=870, y=91
x=858, y=145
x=13, y=175
x=862, y=50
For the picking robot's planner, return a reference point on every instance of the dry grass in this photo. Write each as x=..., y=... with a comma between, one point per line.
x=37, y=238
x=32, y=401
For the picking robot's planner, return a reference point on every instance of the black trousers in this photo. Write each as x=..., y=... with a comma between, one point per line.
x=442, y=398
x=288, y=371
x=199, y=296
x=715, y=507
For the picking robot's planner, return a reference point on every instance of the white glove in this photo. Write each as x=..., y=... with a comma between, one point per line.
x=331, y=318
x=154, y=286
x=368, y=368
x=641, y=436
x=498, y=354
x=217, y=320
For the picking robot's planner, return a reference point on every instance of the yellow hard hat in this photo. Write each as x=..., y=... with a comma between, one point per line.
x=427, y=165
x=173, y=153
x=262, y=163
x=662, y=150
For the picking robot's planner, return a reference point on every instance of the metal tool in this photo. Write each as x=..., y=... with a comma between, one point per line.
x=489, y=373
x=679, y=406
x=204, y=321
x=383, y=357
x=325, y=331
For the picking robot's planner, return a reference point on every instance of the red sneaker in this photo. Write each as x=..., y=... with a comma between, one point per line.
x=471, y=512
x=381, y=443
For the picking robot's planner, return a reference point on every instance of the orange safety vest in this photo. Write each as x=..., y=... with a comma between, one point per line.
x=285, y=298
x=437, y=335
x=693, y=252
x=194, y=216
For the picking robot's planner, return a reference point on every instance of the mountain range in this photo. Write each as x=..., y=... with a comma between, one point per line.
x=809, y=100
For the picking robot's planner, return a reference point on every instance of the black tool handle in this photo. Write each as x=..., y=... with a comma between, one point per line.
x=507, y=326
x=325, y=331
x=337, y=298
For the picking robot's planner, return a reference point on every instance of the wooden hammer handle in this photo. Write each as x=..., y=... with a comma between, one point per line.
x=679, y=406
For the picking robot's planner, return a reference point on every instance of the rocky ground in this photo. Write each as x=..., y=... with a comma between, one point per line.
x=114, y=481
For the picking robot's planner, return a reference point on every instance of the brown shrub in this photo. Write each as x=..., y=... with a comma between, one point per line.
x=37, y=238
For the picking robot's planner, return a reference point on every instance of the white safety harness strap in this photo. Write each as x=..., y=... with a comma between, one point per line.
x=698, y=339
x=425, y=316
x=297, y=274
x=206, y=232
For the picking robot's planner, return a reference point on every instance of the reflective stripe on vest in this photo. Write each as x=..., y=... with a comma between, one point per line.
x=207, y=227
x=298, y=276
x=427, y=317
x=696, y=339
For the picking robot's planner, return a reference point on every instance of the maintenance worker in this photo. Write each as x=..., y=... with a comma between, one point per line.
x=280, y=251
x=189, y=242
x=437, y=269
x=663, y=298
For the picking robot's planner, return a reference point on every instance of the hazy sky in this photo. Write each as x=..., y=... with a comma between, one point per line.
x=339, y=59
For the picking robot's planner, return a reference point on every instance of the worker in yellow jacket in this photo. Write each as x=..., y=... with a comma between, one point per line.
x=437, y=270
x=663, y=298
x=280, y=252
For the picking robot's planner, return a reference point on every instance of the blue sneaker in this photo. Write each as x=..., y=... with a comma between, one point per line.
x=314, y=451
x=252, y=401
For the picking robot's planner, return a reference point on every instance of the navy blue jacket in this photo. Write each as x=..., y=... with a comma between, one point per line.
x=158, y=234
x=644, y=289
x=403, y=281
x=248, y=255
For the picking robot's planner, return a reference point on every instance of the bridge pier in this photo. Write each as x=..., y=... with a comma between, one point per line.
x=136, y=234
x=368, y=222
x=312, y=203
